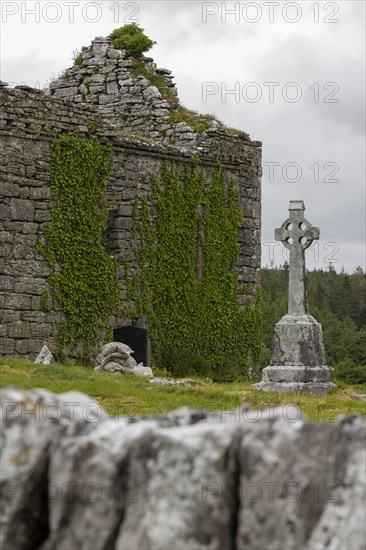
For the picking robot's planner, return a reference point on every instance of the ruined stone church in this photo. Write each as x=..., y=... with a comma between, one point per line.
x=135, y=108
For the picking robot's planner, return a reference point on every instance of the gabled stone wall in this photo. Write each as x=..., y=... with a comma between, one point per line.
x=29, y=121
x=105, y=77
x=108, y=79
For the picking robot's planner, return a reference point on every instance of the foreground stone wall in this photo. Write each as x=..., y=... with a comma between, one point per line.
x=74, y=478
x=29, y=121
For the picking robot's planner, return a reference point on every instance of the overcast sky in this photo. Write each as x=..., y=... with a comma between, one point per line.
x=296, y=71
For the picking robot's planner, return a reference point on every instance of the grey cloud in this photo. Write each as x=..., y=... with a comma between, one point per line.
x=307, y=63
x=305, y=132
x=28, y=69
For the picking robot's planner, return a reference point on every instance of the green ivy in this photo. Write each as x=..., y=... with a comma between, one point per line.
x=84, y=283
x=186, y=283
x=44, y=299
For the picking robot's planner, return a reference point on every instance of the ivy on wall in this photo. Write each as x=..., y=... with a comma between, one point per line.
x=186, y=283
x=84, y=283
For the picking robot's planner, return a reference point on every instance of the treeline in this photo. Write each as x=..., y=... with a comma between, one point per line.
x=338, y=302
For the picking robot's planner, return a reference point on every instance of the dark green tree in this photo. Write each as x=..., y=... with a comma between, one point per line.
x=132, y=40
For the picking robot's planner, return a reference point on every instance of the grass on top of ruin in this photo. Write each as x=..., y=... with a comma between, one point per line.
x=130, y=395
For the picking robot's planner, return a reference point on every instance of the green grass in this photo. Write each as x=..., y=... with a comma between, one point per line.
x=198, y=123
x=156, y=80
x=77, y=58
x=125, y=394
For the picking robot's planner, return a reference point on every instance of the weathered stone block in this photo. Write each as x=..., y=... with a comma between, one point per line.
x=298, y=374
x=99, y=49
x=9, y=189
x=17, y=301
x=10, y=315
x=125, y=210
x=298, y=341
x=36, y=302
x=41, y=330
x=83, y=89
x=22, y=210
x=112, y=53
x=164, y=113
x=5, y=250
x=30, y=227
x=98, y=78
x=4, y=212
x=19, y=330
x=26, y=267
x=42, y=215
x=7, y=346
x=22, y=347
x=40, y=193
x=28, y=285
x=6, y=283
x=96, y=89
x=22, y=251
x=59, y=84
x=95, y=62
x=125, y=63
x=33, y=316
x=112, y=88
x=123, y=223
x=66, y=92
x=125, y=82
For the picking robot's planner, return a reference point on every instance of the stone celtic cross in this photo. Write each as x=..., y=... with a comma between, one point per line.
x=298, y=362
x=297, y=234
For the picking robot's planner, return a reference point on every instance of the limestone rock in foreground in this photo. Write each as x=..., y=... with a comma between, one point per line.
x=189, y=479
x=30, y=421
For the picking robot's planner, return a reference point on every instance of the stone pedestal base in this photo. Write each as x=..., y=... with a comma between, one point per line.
x=297, y=379
x=317, y=389
x=298, y=363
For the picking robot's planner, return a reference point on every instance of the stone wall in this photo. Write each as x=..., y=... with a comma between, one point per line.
x=29, y=121
x=107, y=78
x=74, y=478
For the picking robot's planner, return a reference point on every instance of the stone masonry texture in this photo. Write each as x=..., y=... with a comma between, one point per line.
x=74, y=478
x=30, y=120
